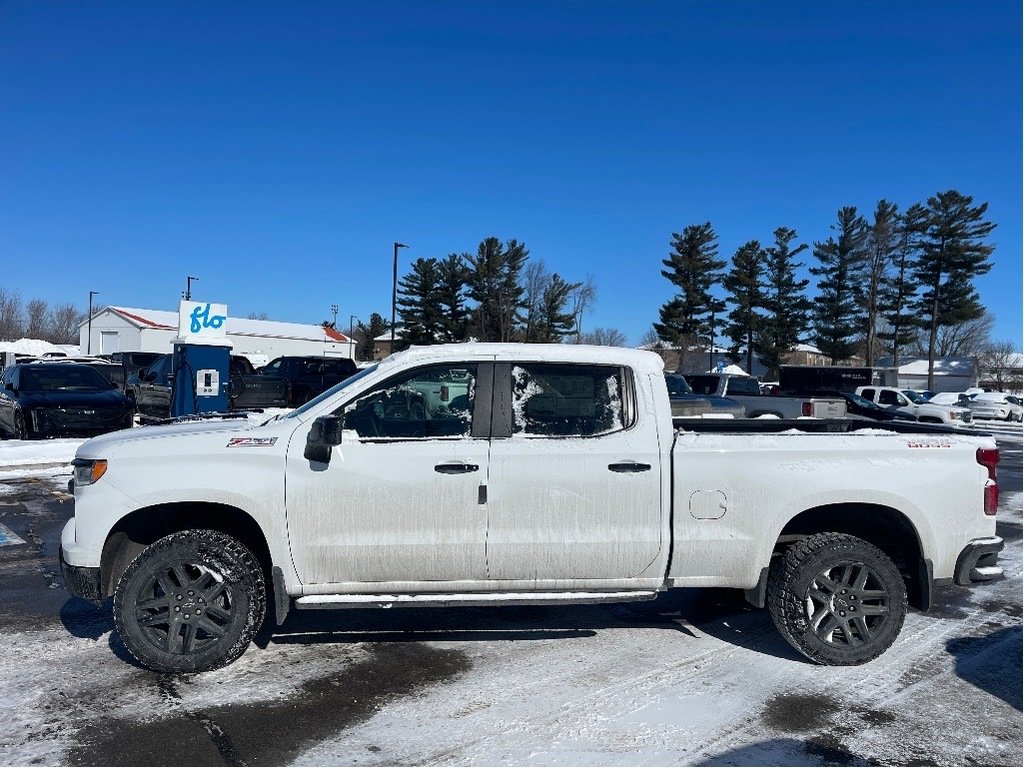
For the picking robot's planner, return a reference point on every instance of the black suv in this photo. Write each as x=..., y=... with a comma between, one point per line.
x=309, y=376
x=131, y=363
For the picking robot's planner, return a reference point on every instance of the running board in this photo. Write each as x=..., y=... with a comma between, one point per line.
x=441, y=600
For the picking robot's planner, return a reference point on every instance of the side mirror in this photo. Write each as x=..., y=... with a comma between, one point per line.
x=324, y=434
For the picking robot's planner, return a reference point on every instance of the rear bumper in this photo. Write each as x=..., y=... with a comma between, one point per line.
x=978, y=561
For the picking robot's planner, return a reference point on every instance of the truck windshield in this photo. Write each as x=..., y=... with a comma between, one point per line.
x=914, y=397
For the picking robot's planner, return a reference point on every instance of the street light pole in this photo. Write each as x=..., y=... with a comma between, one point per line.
x=334, y=311
x=394, y=292
x=711, y=347
x=188, y=287
x=88, y=338
x=351, y=342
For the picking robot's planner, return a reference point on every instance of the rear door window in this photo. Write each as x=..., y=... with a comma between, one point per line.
x=562, y=400
x=742, y=386
x=885, y=397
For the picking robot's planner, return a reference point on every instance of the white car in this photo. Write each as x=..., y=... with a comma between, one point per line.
x=959, y=399
x=996, y=405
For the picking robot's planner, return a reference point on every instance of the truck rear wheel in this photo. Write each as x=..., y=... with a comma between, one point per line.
x=190, y=602
x=837, y=599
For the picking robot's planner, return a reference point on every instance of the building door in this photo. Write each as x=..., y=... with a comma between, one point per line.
x=109, y=342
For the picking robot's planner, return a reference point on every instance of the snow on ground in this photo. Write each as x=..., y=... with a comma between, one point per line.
x=18, y=453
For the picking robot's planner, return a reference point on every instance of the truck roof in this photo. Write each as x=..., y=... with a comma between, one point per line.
x=640, y=360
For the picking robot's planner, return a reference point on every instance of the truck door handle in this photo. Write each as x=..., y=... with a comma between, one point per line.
x=629, y=466
x=456, y=469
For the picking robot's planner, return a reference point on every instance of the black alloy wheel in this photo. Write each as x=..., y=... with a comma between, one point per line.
x=837, y=599
x=190, y=602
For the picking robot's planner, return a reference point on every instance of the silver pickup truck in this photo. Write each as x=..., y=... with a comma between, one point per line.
x=497, y=474
x=746, y=390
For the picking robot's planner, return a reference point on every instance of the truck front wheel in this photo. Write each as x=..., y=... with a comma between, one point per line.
x=837, y=599
x=190, y=602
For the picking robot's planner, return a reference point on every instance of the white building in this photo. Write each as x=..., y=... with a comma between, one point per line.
x=952, y=374
x=125, y=329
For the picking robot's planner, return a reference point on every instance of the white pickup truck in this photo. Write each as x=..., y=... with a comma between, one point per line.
x=487, y=474
x=913, y=404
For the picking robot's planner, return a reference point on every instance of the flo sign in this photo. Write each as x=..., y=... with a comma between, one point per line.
x=198, y=320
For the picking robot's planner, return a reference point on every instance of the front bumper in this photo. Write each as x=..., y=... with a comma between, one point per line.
x=978, y=561
x=80, y=580
x=78, y=422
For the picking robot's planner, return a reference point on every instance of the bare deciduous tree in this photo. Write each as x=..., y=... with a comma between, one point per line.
x=607, y=337
x=999, y=364
x=63, y=324
x=38, y=319
x=583, y=298
x=969, y=337
x=11, y=315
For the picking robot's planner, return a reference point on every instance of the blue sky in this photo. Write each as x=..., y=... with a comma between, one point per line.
x=276, y=150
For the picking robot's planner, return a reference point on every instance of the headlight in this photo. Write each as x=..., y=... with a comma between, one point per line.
x=88, y=471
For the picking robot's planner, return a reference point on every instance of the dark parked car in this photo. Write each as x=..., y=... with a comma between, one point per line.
x=150, y=389
x=129, y=364
x=59, y=399
x=309, y=376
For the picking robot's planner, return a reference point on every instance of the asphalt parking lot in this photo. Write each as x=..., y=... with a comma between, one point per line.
x=695, y=678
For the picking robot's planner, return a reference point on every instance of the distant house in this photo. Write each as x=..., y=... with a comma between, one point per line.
x=952, y=374
x=382, y=344
x=806, y=354
x=126, y=329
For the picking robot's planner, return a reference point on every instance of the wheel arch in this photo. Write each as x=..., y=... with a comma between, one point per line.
x=886, y=527
x=140, y=528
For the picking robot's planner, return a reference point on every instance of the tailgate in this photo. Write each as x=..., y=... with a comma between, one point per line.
x=827, y=408
x=258, y=391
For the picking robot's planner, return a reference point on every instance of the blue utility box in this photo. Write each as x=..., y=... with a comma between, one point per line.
x=201, y=374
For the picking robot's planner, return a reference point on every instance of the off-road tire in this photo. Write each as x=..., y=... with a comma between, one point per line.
x=190, y=602
x=837, y=599
x=20, y=431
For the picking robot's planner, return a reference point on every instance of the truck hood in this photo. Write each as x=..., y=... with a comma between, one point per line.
x=104, y=445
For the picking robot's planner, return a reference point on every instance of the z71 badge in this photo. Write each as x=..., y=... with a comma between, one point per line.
x=251, y=442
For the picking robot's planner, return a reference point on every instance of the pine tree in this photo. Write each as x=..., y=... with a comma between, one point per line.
x=493, y=281
x=837, y=314
x=786, y=306
x=693, y=267
x=451, y=296
x=377, y=326
x=743, y=283
x=419, y=304
x=882, y=244
x=897, y=294
x=554, y=321
x=953, y=253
